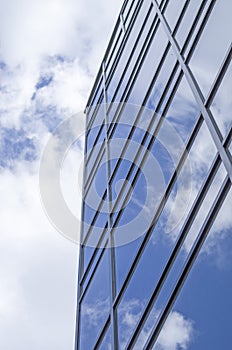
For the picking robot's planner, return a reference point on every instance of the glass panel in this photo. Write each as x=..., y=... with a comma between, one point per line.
x=95, y=306
x=173, y=11
x=230, y=148
x=114, y=51
x=169, y=143
x=179, y=263
x=213, y=44
x=222, y=104
x=127, y=51
x=149, y=67
x=96, y=162
x=162, y=81
x=106, y=343
x=187, y=21
x=96, y=159
x=97, y=100
x=96, y=134
x=94, y=222
x=164, y=236
x=128, y=15
x=182, y=115
x=205, y=300
x=88, y=253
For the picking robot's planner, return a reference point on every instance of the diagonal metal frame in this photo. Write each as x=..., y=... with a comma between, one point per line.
x=212, y=126
x=192, y=257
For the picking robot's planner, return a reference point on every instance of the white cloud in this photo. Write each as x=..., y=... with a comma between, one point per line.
x=64, y=40
x=37, y=270
x=177, y=332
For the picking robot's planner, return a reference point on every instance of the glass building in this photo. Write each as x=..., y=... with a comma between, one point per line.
x=155, y=265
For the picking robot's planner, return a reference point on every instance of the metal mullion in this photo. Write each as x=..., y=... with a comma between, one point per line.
x=115, y=122
x=98, y=246
x=159, y=124
x=129, y=10
x=94, y=113
x=122, y=23
x=159, y=211
x=94, y=219
x=125, y=5
x=190, y=218
x=124, y=42
x=139, y=62
x=193, y=27
x=161, y=99
x=131, y=55
x=138, y=115
x=183, y=234
x=159, y=104
x=102, y=334
x=104, y=195
x=81, y=254
x=164, y=55
x=112, y=277
x=117, y=117
x=217, y=204
x=93, y=273
x=181, y=16
x=108, y=61
x=212, y=126
x=89, y=107
x=99, y=74
x=94, y=169
x=95, y=142
x=164, y=4
x=119, y=54
x=136, y=74
x=220, y=75
x=228, y=139
x=200, y=30
x=118, y=298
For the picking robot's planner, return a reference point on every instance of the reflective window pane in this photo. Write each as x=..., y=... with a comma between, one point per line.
x=164, y=237
x=173, y=11
x=187, y=21
x=222, y=104
x=205, y=299
x=95, y=305
x=213, y=44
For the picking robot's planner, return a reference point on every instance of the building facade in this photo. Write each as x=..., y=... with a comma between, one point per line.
x=155, y=253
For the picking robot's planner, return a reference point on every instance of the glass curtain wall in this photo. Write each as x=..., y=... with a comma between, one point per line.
x=155, y=267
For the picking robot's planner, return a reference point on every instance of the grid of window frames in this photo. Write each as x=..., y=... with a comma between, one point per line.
x=161, y=56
